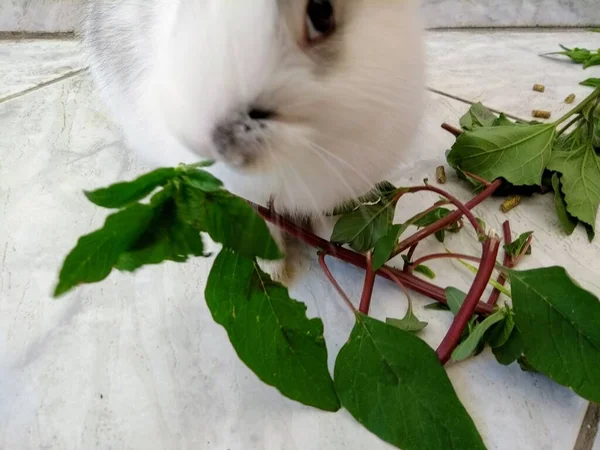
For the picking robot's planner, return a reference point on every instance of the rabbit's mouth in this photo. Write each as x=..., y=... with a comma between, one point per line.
x=241, y=139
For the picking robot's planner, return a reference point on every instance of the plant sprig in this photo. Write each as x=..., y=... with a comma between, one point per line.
x=385, y=375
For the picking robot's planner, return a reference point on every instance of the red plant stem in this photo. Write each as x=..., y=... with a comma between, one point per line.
x=478, y=178
x=495, y=295
x=410, y=281
x=334, y=282
x=488, y=262
x=450, y=218
x=424, y=259
x=408, y=264
x=395, y=279
x=452, y=130
x=367, y=293
x=456, y=202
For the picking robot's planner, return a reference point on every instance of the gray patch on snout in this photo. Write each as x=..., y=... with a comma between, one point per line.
x=240, y=140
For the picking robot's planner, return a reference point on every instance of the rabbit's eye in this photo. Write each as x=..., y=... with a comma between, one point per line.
x=320, y=19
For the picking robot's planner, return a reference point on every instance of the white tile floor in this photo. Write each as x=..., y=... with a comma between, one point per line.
x=136, y=362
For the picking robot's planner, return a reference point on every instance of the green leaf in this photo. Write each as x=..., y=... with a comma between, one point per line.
x=577, y=55
x=122, y=194
x=381, y=193
x=455, y=298
x=95, y=254
x=166, y=238
x=228, y=220
x=511, y=350
x=591, y=82
x=560, y=325
x=424, y=270
x=580, y=169
x=499, y=333
x=409, y=322
x=270, y=331
x=516, y=247
x=469, y=345
x=435, y=306
x=503, y=121
x=525, y=365
x=385, y=246
x=431, y=217
x=478, y=116
x=517, y=153
x=592, y=61
x=567, y=221
x=200, y=179
x=365, y=226
x=392, y=383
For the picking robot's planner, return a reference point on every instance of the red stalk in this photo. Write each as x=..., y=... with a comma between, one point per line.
x=450, y=218
x=334, y=282
x=486, y=267
x=452, y=130
x=367, y=293
x=410, y=281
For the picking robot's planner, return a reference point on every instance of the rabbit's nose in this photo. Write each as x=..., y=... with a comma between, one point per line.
x=260, y=114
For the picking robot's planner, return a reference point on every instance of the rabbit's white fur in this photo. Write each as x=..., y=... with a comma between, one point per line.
x=346, y=109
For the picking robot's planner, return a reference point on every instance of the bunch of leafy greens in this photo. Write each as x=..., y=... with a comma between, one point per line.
x=587, y=58
x=385, y=375
x=562, y=156
x=389, y=379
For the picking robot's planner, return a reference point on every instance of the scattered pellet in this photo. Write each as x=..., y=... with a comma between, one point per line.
x=540, y=114
x=570, y=99
x=539, y=87
x=440, y=174
x=510, y=203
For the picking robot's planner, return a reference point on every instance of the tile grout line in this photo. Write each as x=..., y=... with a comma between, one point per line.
x=589, y=428
x=469, y=102
x=41, y=85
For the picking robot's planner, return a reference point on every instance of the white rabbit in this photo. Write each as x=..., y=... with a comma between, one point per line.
x=307, y=103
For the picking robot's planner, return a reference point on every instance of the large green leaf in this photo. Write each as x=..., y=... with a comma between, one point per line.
x=385, y=246
x=560, y=326
x=580, y=169
x=95, y=254
x=567, y=221
x=478, y=116
x=365, y=226
x=228, y=220
x=393, y=383
x=166, y=238
x=517, y=153
x=270, y=331
x=122, y=194
x=511, y=350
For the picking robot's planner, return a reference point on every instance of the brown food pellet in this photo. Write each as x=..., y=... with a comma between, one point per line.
x=440, y=174
x=510, y=204
x=539, y=87
x=570, y=99
x=540, y=114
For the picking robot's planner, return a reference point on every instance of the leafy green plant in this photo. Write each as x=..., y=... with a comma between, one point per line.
x=389, y=379
x=564, y=151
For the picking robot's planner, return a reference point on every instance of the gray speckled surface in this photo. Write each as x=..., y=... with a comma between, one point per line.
x=511, y=13
x=61, y=15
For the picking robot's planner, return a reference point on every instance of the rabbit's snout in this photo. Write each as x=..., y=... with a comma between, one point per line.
x=239, y=139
